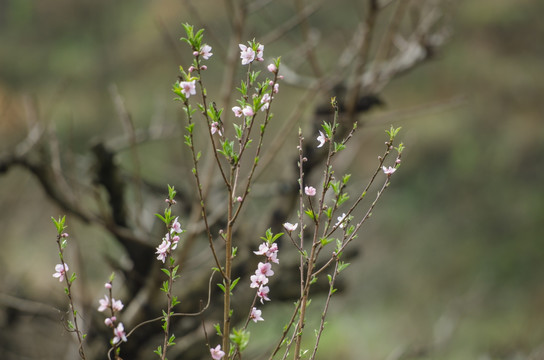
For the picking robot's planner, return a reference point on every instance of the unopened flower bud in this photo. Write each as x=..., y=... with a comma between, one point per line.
x=390, y=147
x=107, y=285
x=195, y=53
x=270, y=83
x=304, y=159
x=203, y=67
x=114, y=318
x=191, y=69
x=272, y=68
x=108, y=322
x=397, y=161
x=239, y=199
x=280, y=77
x=64, y=235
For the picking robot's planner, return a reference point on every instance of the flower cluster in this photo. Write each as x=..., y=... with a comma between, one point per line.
x=169, y=241
x=260, y=278
x=61, y=269
x=246, y=111
x=115, y=306
x=250, y=53
x=188, y=87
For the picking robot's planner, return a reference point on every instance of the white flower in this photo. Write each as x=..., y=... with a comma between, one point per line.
x=246, y=54
x=205, y=51
x=321, y=138
x=188, y=88
x=119, y=333
x=256, y=315
x=388, y=170
x=60, y=271
x=340, y=222
x=290, y=227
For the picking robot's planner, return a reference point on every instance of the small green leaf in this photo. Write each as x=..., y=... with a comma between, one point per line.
x=342, y=199
x=342, y=265
x=166, y=271
x=158, y=351
x=234, y=284
x=310, y=213
x=218, y=329
x=161, y=217
x=240, y=338
x=326, y=241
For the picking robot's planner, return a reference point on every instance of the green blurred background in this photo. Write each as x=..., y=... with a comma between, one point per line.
x=453, y=264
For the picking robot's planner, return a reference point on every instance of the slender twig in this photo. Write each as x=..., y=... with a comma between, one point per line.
x=199, y=190
x=68, y=282
x=325, y=310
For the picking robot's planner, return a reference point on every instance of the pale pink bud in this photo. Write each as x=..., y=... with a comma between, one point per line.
x=195, y=53
x=108, y=322
x=203, y=67
x=309, y=190
x=107, y=285
x=239, y=199
x=272, y=68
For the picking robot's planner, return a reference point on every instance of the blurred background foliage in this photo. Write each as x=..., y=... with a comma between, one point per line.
x=453, y=260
